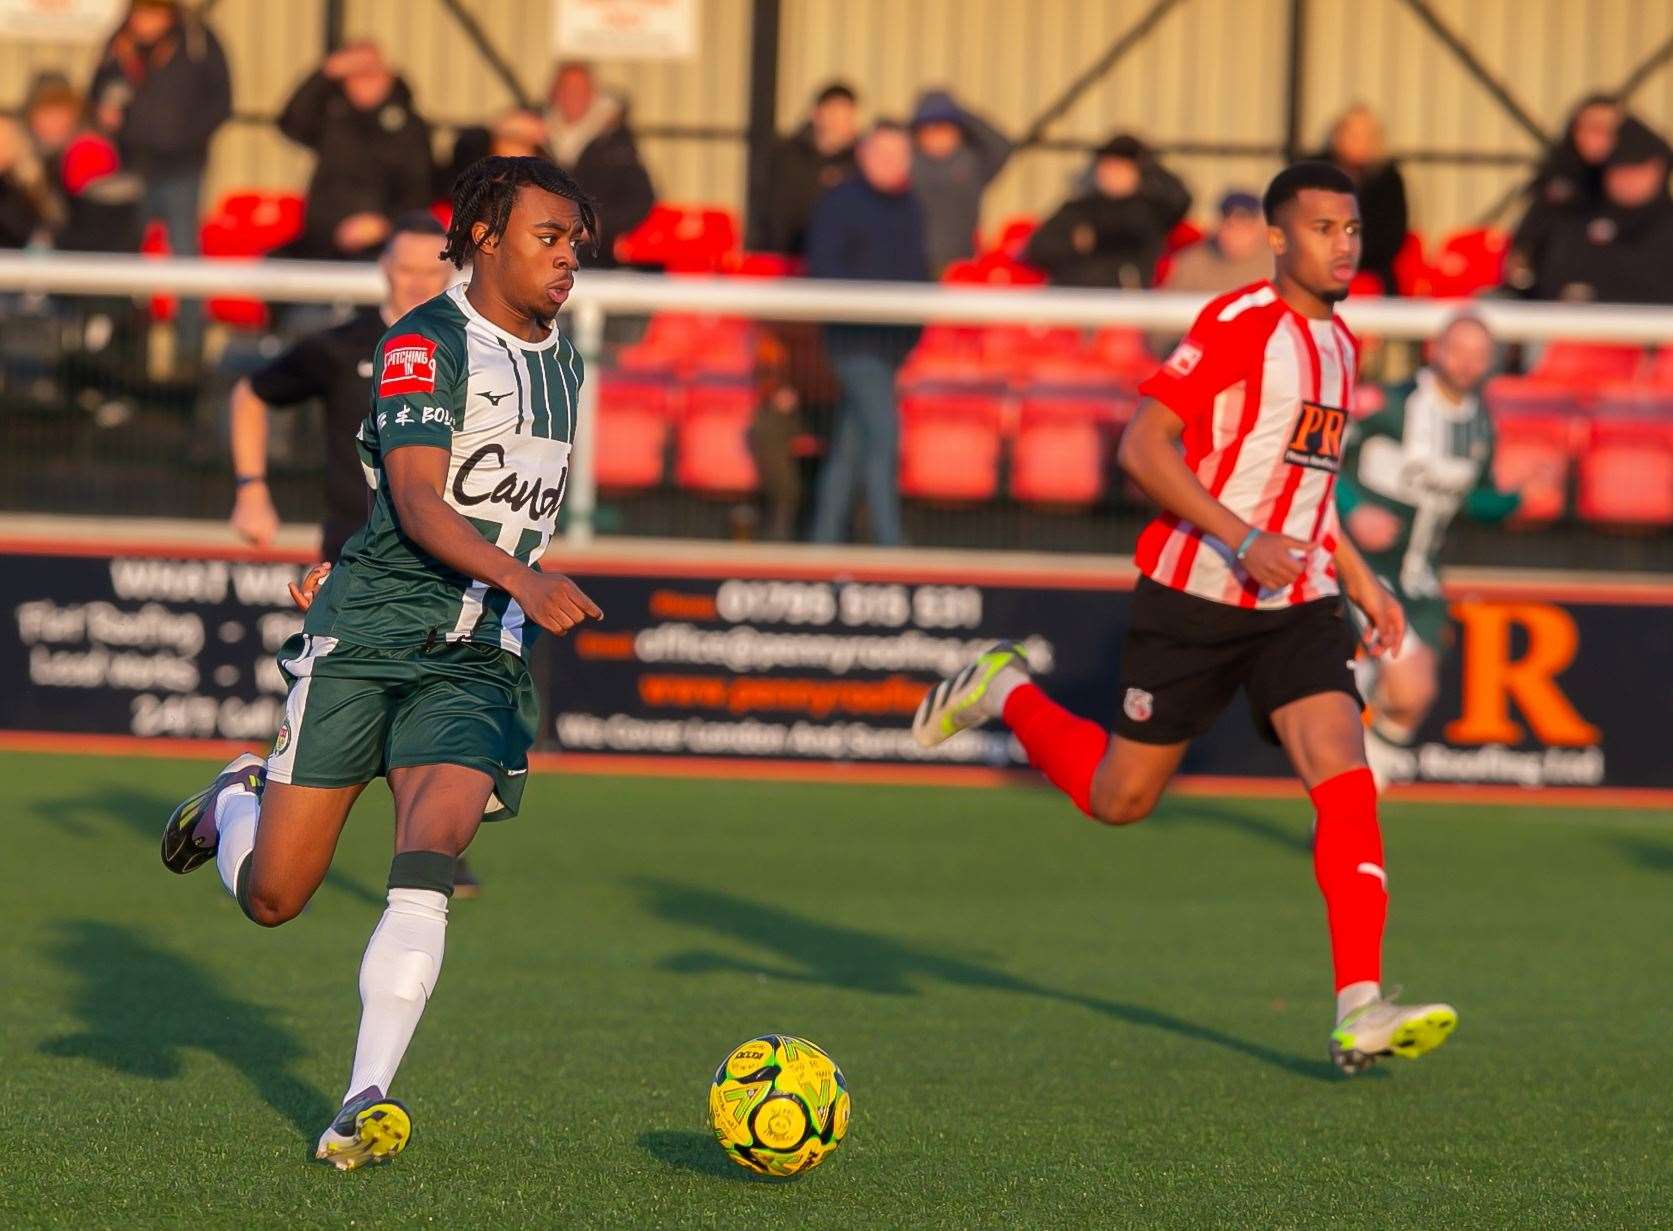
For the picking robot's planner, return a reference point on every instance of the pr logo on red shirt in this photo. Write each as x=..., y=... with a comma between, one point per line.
x=1318, y=437
x=409, y=366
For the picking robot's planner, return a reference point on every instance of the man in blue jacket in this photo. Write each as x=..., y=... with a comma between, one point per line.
x=869, y=227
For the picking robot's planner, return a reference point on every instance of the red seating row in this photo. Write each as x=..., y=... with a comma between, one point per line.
x=1028, y=354
x=951, y=439
x=1619, y=459
x=708, y=423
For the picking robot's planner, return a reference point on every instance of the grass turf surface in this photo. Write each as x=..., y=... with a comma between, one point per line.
x=1043, y=1023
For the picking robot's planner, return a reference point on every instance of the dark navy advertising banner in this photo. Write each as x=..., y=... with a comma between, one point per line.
x=1544, y=685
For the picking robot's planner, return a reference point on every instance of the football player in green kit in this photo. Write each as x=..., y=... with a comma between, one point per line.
x=411, y=665
x=1407, y=471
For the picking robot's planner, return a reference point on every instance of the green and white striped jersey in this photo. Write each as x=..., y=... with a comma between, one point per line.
x=1424, y=459
x=505, y=411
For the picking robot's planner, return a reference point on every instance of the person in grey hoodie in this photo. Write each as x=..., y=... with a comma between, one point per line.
x=956, y=155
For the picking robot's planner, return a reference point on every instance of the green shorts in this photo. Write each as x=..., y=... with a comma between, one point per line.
x=354, y=713
x=1427, y=618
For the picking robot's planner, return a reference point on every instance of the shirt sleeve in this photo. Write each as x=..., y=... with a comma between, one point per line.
x=295, y=375
x=416, y=391
x=1213, y=357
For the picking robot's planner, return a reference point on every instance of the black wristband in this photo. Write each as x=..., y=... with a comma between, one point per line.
x=244, y=480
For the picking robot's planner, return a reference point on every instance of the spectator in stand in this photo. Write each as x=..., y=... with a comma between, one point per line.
x=870, y=227
x=588, y=134
x=161, y=90
x=957, y=155
x=804, y=166
x=1235, y=255
x=94, y=206
x=1357, y=145
x=1568, y=184
x=1115, y=231
x=513, y=134
x=1621, y=251
x=26, y=206
x=372, y=148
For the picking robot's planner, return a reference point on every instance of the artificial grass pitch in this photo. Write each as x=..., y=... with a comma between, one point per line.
x=1043, y=1022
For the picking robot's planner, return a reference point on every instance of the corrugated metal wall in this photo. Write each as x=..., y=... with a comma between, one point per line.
x=1211, y=71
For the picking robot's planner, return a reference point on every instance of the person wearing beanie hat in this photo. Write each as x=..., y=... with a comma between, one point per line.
x=1113, y=232
x=1569, y=181
x=1236, y=254
x=956, y=155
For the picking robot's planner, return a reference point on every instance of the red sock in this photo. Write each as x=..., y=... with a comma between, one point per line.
x=1060, y=745
x=1348, y=861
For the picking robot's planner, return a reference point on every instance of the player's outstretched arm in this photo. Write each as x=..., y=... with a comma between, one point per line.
x=417, y=475
x=253, y=516
x=1150, y=454
x=1387, y=619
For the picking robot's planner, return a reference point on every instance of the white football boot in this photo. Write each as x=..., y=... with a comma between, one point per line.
x=1383, y=1028
x=970, y=698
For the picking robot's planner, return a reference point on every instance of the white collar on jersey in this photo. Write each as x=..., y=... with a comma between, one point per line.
x=456, y=293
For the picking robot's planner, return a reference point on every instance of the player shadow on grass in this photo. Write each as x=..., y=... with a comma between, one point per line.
x=837, y=956
x=1195, y=810
x=144, y=814
x=141, y=1006
x=1647, y=853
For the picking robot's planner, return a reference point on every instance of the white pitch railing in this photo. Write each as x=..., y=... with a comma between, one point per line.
x=599, y=293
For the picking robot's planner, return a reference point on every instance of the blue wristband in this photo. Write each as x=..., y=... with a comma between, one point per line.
x=1247, y=543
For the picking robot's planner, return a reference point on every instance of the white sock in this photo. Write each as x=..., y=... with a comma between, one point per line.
x=397, y=975
x=237, y=811
x=1354, y=995
x=1000, y=688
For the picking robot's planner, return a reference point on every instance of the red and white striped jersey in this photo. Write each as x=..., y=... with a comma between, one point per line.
x=1264, y=393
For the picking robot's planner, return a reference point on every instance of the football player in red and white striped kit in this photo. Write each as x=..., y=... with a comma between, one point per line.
x=1242, y=576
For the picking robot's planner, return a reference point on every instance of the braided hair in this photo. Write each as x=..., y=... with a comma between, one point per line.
x=486, y=190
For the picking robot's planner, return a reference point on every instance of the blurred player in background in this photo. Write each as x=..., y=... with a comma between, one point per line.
x=1243, y=575
x=411, y=665
x=334, y=365
x=1408, y=470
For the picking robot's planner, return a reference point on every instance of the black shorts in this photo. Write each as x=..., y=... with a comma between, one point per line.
x=1185, y=658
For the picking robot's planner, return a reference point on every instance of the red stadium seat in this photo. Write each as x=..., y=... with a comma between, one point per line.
x=1183, y=235
x=712, y=441
x=1534, y=455
x=1366, y=284
x=949, y=446
x=682, y=239
x=1057, y=461
x=1123, y=352
x=1587, y=365
x=1012, y=347
x=1412, y=275
x=1014, y=235
x=690, y=344
x=248, y=224
x=1626, y=476
x=633, y=425
x=994, y=269
x=1469, y=261
x=761, y=265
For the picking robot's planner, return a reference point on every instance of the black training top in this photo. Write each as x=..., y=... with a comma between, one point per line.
x=334, y=365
